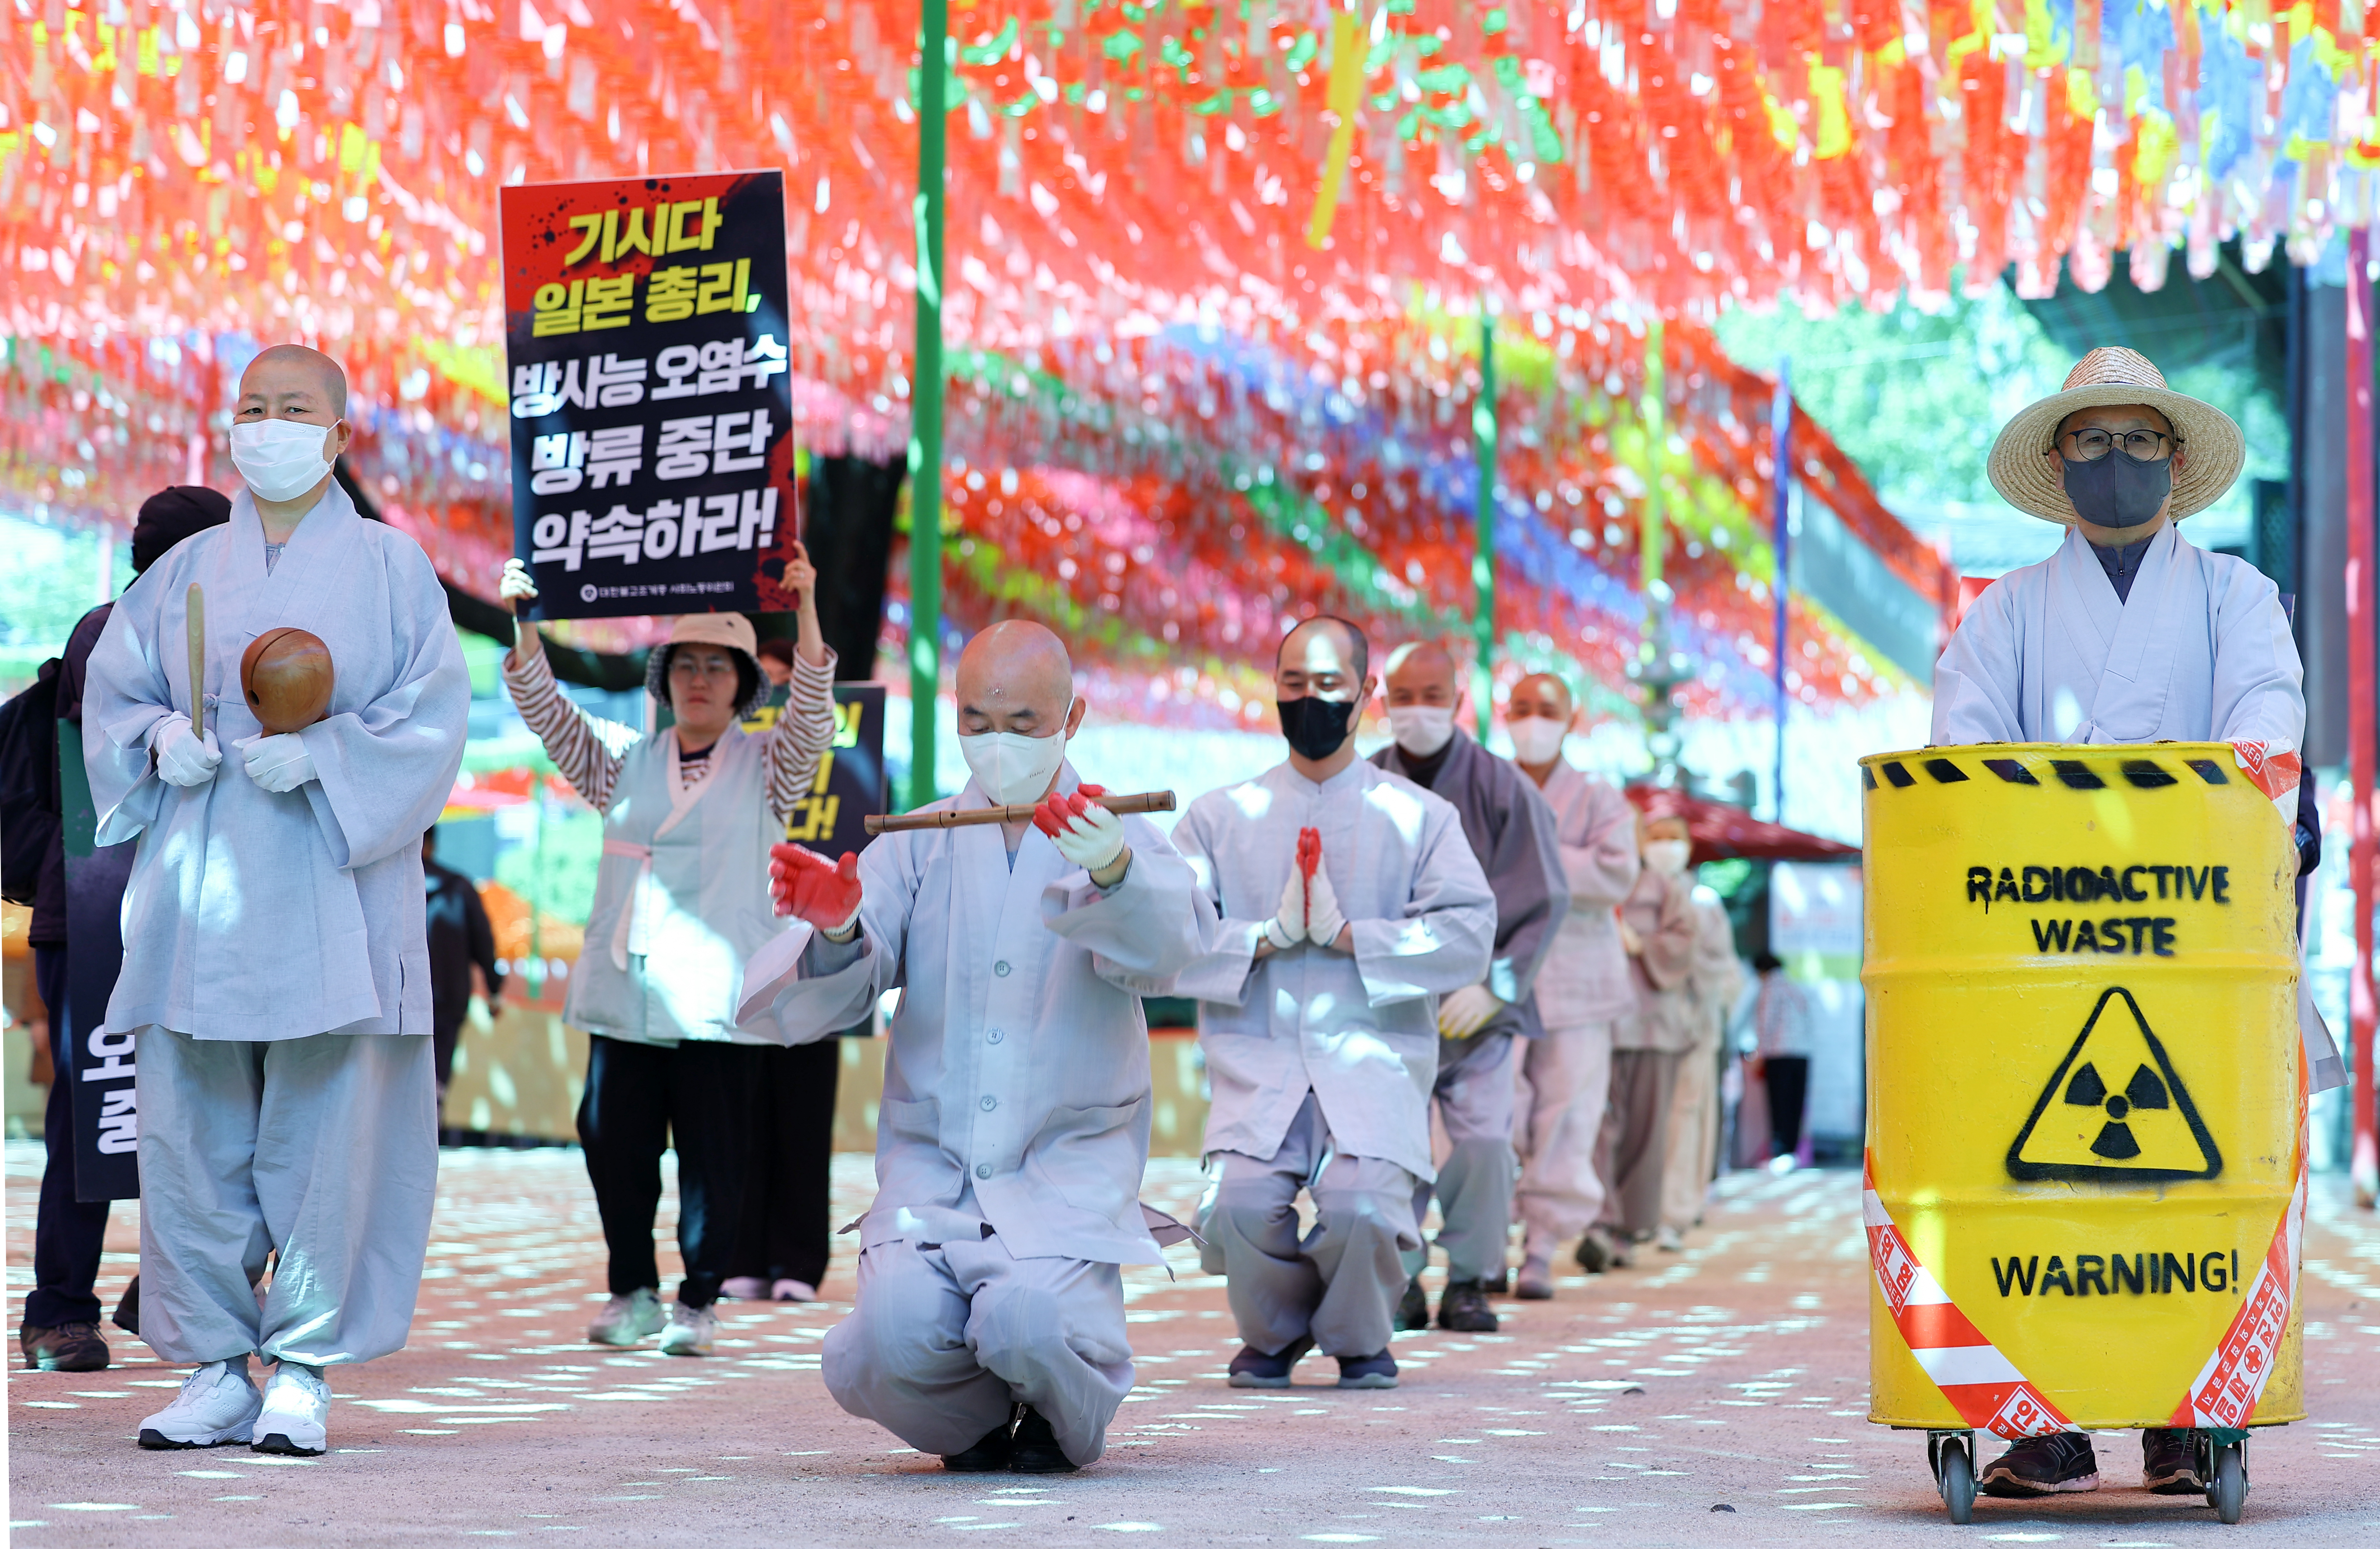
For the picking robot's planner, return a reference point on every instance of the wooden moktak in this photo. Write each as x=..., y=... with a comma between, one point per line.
x=286, y=677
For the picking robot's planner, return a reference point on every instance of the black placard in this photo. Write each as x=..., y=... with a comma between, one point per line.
x=99, y=1065
x=651, y=401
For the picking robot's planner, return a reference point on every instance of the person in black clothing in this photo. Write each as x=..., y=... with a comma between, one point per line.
x=459, y=937
x=61, y=1328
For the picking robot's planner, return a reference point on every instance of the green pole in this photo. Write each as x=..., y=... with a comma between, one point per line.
x=1483, y=558
x=926, y=408
x=1656, y=439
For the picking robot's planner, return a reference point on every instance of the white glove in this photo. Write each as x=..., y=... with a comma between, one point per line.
x=279, y=763
x=1091, y=839
x=1468, y=1011
x=184, y=757
x=1324, y=920
x=1287, y=928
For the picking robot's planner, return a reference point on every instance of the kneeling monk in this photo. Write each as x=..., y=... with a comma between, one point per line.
x=1015, y=1126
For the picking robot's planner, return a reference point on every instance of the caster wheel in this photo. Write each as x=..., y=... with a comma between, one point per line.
x=1958, y=1483
x=2226, y=1492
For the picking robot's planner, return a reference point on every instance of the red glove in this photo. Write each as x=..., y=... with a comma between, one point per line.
x=1051, y=815
x=810, y=887
x=1309, y=858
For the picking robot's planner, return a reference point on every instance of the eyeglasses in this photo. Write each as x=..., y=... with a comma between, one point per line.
x=2090, y=446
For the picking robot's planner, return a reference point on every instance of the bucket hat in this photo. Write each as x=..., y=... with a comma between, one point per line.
x=2105, y=376
x=730, y=630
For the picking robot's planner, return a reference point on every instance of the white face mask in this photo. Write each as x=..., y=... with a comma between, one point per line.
x=280, y=460
x=1536, y=739
x=1012, y=767
x=1668, y=856
x=1421, y=730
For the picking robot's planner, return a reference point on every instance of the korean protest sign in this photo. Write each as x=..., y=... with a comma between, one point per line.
x=652, y=412
x=850, y=783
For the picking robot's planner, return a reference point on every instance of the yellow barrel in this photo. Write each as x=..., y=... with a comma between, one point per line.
x=2083, y=1078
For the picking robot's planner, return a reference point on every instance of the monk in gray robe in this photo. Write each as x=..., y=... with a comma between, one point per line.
x=1516, y=838
x=275, y=986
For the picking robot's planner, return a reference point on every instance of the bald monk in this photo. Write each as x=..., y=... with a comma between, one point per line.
x=1512, y=832
x=1015, y=1129
x=1348, y=904
x=1583, y=989
x=275, y=986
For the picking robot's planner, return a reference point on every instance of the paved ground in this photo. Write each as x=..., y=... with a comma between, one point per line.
x=1712, y=1398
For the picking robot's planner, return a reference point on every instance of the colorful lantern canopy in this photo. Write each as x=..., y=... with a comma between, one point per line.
x=1213, y=243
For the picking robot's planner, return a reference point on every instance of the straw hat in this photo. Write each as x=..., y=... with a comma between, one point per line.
x=2105, y=376
x=730, y=630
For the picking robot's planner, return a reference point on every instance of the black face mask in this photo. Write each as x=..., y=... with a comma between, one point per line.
x=1316, y=727
x=2116, y=491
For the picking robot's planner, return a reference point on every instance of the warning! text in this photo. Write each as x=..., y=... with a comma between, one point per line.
x=2110, y=1274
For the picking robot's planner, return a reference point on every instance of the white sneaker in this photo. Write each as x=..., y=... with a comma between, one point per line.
x=627, y=1319
x=744, y=1287
x=690, y=1331
x=297, y=1414
x=217, y=1404
x=1780, y=1166
x=793, y=1290
x=1670, y=1240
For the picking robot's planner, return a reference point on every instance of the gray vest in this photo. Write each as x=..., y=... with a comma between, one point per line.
x=681, y=900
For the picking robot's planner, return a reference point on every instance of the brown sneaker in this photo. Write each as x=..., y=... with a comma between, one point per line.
x=2045, y=1466
x=2169, y=1463
x=68, y=1348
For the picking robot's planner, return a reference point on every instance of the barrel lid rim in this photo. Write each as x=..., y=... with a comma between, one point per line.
x=2091, y=752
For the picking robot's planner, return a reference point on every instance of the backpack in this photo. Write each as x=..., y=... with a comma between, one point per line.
x=29, y=813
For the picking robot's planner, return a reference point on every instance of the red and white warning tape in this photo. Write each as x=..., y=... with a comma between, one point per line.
x=2231, y=1382
x=1991, y=1395
x=1983, y=1384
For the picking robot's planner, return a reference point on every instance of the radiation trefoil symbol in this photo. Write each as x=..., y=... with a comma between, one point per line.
x=2114, y=1111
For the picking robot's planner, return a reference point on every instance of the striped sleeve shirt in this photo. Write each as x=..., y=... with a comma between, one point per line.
x=589, y=750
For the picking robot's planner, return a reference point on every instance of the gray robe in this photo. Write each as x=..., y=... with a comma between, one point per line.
x=1515, y=836
x=1357, y=1029
x=253, y=916
x=2049, y=654
x=1016, y=1083
x=1585, y=981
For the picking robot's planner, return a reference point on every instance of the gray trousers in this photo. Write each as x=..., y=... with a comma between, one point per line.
x=1564, y=1081
x=1634, y=1146
x=1340, y=1283
x=1473, y=1099
x=324, y=1149
x=947, y=1338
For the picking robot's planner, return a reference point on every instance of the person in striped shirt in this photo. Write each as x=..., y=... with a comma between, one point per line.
x=682, y=902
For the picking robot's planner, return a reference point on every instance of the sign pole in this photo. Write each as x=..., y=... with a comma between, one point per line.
x=926, y=408
x=1781, y=431
x=2364, y=1163
x=1483, y=558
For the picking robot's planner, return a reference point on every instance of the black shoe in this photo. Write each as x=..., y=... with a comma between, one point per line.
x=1253, y=1368
x=127, y=1309
x=1413, y=1308
x=1464, y=1308
x=1371, y=1371
x=987, y=1457
x=1500, y=1286
x=68, y=1348
x=2045, y=1466
x=1596, y=1253
x=2169, y=1463
x=1035, y=1448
